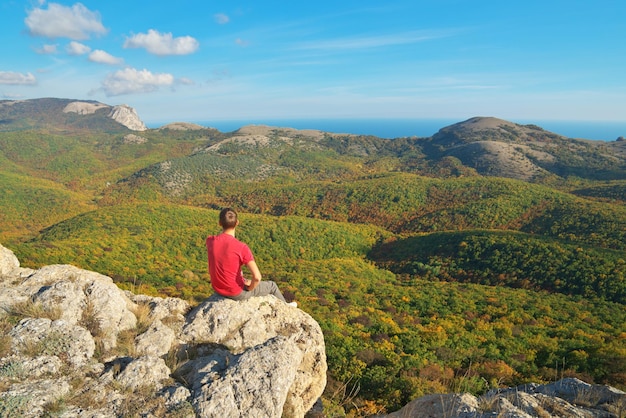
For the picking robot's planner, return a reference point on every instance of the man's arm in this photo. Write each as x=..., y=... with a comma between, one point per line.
x=256, y=275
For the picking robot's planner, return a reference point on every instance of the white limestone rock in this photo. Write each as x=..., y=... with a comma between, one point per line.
x=8, y=262
x=122, y=114
x=128, y=117
x=156, y=341
x=255, y=383
x=243, y=325
x=44, y=337
x=146, y=371
x=84, y=108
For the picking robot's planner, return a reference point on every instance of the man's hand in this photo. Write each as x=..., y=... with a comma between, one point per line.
x=246, y=283
x=256, y=275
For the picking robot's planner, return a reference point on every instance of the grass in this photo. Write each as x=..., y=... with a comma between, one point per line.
x=31, y=309
x=5, y=338
x=142, y=313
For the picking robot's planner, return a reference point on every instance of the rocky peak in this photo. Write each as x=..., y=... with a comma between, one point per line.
x=128, y=117
x=122, y=114
x=72, y=339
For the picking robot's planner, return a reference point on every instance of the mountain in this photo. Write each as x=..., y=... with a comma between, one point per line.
x=479, y=146
x=482, y=145
x=497, y=147
x=66, y=114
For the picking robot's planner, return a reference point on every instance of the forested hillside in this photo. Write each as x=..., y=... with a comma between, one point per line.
x=490, y=254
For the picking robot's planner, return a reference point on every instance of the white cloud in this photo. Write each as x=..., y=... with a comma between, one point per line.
x=58, y=21
x=221, y=18
x=131, y=80
x=103, y=57
x=13, y=78
x=76, y=48
x=47, y=49
x=162, y=44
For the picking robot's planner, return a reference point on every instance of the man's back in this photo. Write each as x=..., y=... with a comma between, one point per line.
x=226, y=255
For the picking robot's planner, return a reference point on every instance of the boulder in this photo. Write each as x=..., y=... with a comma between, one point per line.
x=156, y=341
x=80, y=296
x=146, y=371
x=8, y=262
x=33, y=337
x=254, y=383
x=259, y=322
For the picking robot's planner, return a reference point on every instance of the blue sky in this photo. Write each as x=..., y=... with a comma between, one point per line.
x=236, y=60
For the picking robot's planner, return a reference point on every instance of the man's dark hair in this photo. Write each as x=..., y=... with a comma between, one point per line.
x=228, y=218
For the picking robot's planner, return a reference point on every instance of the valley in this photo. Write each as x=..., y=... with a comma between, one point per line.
x=490, y=254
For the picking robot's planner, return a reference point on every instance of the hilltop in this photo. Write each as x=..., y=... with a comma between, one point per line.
x=497, y=147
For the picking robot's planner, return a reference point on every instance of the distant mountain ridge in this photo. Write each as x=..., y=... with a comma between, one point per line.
x=480, y=146
x=66, y=114
x=485, y=146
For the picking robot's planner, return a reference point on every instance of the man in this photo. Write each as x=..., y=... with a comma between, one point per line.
x=227, y=255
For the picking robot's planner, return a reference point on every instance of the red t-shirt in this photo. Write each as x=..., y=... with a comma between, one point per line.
x=226, y=256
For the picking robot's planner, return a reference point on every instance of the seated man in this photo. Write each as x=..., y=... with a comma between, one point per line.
x=226, y=256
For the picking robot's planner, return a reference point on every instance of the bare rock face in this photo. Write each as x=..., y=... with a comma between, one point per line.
x=122, y=114
x=128, y=117
x=84, y=108
x=80, y=296
x=81, y=342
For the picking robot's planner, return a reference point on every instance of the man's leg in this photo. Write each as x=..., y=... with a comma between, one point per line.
x=266, y=287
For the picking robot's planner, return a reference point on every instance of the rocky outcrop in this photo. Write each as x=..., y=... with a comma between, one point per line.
x=72, y=344
x=282, y=344
x=84, y=108
x=122, y=114
x=568, y=397
x=128, y=117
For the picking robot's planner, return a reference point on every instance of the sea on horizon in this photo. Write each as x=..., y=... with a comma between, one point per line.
x=397, y=128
